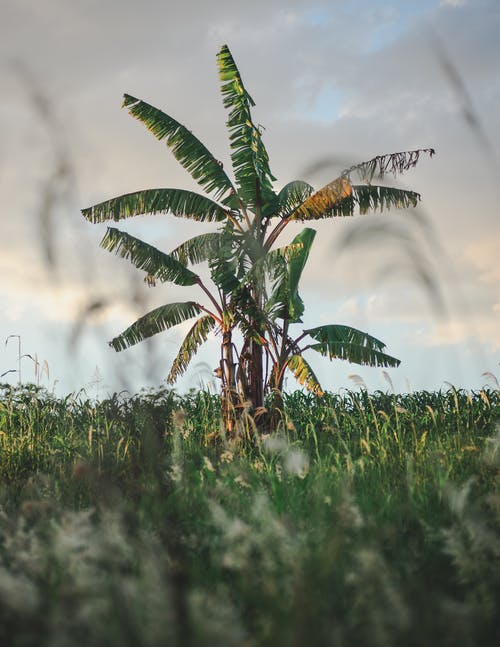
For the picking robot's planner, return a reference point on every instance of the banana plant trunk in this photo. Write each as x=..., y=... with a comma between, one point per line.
x=256, y=377
x=250, y=381
x=276, y=381
x=255, y=367
x=229, y=399
x=276, y=402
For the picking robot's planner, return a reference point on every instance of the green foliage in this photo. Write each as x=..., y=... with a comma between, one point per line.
x=248, y=154
x=291, y=196
x=369, y=519
x=192, y=341
x=156, y=321
x=343, y=342
x=187, y=149
x=198, y=249
x=155, y=263
x=285, y=301
x=224, y=265
x=372, y=198
x=178, y=202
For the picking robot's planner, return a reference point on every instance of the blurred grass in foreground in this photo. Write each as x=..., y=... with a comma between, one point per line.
x=370, y=519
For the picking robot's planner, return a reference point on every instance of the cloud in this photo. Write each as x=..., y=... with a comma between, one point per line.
x=457, y=332
x=335, y=82
x=452, y=3
x=482, y=256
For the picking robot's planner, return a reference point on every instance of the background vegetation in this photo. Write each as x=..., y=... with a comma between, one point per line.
x=367, y=519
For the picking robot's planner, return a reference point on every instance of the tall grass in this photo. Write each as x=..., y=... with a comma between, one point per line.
x=367, y=519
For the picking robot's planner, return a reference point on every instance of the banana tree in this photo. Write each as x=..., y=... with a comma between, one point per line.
x=162, y=267
x=249, y=216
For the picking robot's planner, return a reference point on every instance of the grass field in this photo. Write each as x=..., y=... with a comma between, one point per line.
x=368, y=520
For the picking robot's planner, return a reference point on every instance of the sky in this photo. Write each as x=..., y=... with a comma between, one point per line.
x=335, y=82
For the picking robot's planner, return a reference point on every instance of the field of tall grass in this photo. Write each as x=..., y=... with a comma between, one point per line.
x=369, y=519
